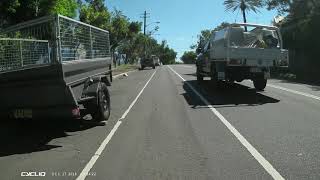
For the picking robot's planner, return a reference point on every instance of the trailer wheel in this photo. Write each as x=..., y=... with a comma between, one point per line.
x=153, y=66
x=101, y=110
x=142, y=67
x=260, y=84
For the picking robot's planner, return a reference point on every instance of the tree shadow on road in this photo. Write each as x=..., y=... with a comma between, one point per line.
x=228, y=95
x=27, y=136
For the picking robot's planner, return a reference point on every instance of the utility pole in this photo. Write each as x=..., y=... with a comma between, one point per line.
x=144, y=22
x=145, y=16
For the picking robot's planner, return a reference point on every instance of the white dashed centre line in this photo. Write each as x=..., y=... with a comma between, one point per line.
x=262, y=161
x=103, y=145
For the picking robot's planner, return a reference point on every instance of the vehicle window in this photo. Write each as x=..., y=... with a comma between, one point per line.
x=206, y=47
x=220, y=35
x=262, y=38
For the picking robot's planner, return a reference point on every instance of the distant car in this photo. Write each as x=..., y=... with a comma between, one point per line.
x=157, y=60
x=148, y=62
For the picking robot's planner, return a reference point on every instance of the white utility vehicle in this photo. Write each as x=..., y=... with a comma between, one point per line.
x=232, y=54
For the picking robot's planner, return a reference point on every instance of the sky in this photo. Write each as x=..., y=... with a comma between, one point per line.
x=182, y=20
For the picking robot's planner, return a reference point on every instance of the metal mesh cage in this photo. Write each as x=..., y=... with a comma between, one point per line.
x=82, y=41
x=61, y=39
x=20, y=53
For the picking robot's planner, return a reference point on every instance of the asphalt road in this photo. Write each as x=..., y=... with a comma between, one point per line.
x=165, y=125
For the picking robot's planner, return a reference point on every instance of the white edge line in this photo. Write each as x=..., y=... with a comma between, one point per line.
x=97, y=154
x=294, y=92
x=135, y=100
x=262, y=161
x=103, y=145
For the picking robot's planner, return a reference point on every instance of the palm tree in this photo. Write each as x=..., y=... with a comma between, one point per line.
x=244, y=6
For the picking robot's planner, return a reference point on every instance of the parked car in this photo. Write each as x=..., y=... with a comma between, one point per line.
x=157, y=60
x=148, y=62
x=235, y=55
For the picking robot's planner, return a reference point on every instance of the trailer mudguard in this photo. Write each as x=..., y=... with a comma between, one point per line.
x=92, y=86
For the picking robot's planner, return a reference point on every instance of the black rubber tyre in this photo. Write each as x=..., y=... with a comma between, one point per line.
x=199, y=76
x=142, y=67
x=153, y=66
x=216, y=84
x=101, y=111
x=260, y=84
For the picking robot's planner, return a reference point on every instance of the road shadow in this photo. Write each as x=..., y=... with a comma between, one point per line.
x=27, y=136
x=228, y=95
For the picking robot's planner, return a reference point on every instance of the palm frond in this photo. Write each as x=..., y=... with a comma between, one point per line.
x=247, y=5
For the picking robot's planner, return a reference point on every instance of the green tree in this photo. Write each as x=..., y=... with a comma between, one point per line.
x=221, y=26
x=282, y=6
x=203, y=37
x=300, y=35
x=65, y=7
x=189, y=57
x=8, y=9
x=94, y=12
x=133, y=46
x=134, y=28
x=16, y=11
x=244, y=6
x=119, y=28
x=166, y=54
x=134, y=49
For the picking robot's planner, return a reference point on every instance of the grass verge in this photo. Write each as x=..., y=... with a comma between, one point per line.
x=124, y=68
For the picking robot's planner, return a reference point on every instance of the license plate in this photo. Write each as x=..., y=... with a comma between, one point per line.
x=22, y=113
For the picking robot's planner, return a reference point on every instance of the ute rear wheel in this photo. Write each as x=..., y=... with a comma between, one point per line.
x=260, y=84
x=215, y=82
x=100, y=109
x=199, y=76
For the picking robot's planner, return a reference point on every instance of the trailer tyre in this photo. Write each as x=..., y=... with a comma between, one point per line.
x=153, y=66
x=101, y=111
x=260, y=84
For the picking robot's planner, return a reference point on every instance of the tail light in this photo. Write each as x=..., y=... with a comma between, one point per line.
x=76, y=112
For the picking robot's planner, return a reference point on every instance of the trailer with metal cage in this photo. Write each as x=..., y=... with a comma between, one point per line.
x=55, y=66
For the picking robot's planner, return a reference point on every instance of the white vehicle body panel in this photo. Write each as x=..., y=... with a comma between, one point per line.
x=221, y=46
